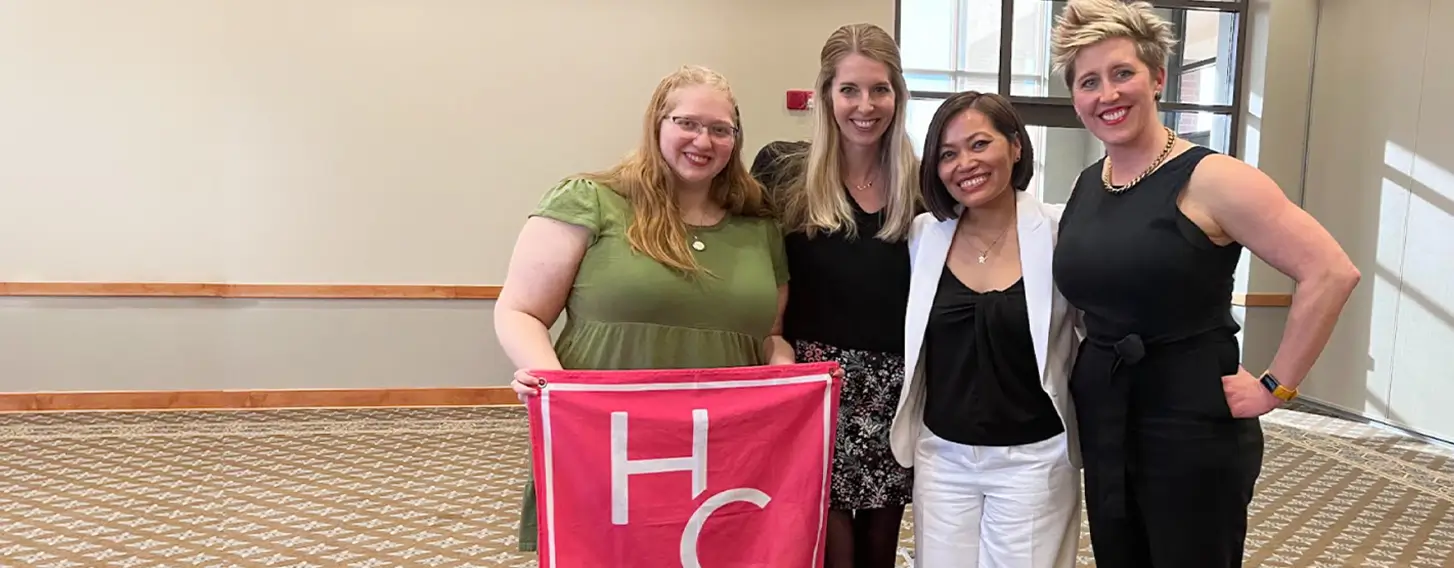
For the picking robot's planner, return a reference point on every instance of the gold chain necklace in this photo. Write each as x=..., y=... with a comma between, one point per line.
x=1106, y=173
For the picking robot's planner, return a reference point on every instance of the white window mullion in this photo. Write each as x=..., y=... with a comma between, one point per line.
x=958, y=31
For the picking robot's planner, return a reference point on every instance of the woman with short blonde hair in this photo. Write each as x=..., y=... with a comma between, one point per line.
x=1149, y=243
x=846, y=201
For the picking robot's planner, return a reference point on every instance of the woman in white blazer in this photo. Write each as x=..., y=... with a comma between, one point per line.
x=984, y=416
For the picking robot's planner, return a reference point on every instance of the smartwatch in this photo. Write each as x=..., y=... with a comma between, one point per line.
x=1281, y=392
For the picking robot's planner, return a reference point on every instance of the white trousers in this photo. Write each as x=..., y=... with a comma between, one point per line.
x=995, y=507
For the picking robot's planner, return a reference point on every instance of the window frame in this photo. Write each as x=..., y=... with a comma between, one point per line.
x=1058, y=112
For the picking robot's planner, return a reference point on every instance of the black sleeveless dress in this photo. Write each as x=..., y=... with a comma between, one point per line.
x=1169, y=472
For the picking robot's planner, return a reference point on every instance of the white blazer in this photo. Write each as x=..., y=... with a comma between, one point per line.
x=1054, y=324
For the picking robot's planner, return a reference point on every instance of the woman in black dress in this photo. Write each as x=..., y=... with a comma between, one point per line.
x=1149, y=242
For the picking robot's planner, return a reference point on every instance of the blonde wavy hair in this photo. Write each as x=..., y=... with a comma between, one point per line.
x=645, y=179
x=812, y=197
x=1084, y=23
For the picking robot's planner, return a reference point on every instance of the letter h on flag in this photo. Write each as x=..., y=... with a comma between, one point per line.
x=684, y=467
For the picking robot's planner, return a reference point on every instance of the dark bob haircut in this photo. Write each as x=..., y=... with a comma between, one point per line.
x=1002, y=116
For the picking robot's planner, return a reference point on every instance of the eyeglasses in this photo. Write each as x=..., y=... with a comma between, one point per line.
x=718, y=130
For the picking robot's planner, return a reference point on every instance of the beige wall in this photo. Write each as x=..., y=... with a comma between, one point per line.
x=330, y=141
x=1380, y=154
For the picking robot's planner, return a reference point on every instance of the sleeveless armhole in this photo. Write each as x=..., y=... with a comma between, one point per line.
x=1182, y=167
x=573, y=201
x=1188, y=229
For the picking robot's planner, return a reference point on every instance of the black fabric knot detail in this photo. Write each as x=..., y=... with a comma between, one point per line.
x=1131, y=349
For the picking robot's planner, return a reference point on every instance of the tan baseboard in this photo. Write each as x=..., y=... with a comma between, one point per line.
x=212, y=290
x=1262, y=300
x=255, y=399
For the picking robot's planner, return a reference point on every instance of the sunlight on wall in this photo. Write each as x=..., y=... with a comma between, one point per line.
x=1425, y=224
x=1423, y=320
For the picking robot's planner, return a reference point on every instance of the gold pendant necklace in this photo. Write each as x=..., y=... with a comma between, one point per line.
x=984, y=254
x=697, y=243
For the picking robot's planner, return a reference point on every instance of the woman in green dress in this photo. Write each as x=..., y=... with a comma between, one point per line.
x=670, y=259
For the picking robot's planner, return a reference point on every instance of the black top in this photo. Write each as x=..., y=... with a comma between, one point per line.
x=982, y=379
x=1135, y=264
x=848, y=293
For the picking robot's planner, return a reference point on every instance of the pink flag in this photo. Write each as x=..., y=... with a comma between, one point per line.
x=684, y=468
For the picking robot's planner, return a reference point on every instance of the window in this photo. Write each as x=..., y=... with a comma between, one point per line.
x=1003, y=46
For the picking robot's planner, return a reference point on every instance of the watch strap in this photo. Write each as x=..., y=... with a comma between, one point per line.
x=1275, y=387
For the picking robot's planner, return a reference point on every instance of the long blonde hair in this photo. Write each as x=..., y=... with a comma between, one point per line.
x=812, y=198
x=645, y=179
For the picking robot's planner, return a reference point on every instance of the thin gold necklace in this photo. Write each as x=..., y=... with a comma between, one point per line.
x=1106, y=173
x=985, y=252
x=867, y=184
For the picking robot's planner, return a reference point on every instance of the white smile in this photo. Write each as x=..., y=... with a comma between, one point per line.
x=862, y=124
x=697, y=159
x=1114, y=115
x=971, y=183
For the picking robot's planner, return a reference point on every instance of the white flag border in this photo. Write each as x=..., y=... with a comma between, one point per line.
x=828, y=429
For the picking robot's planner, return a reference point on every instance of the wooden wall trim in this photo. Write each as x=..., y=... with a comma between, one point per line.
x=344, y=291
x=255, y=399
x=1262, y=300
x=209, y=290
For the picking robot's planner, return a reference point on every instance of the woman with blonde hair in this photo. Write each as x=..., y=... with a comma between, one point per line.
x=670, y=259
x=1149, y=243
x=846, y=201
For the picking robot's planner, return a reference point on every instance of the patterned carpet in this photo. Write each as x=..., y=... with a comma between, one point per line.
x=439, y=487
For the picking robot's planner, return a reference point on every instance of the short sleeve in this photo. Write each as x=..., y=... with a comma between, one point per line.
x=574, y=201
x=779, y=252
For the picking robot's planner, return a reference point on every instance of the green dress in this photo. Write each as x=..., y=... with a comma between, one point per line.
x=627, y=311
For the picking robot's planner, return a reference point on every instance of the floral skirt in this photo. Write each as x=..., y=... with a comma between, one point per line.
x=865, y=474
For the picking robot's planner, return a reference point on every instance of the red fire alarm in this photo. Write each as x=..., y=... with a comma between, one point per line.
x=799, y=99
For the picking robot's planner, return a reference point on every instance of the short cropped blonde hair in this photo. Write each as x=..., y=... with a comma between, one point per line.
x=1084, y=23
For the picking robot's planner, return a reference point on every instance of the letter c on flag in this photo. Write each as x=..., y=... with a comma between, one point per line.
x=699, y=518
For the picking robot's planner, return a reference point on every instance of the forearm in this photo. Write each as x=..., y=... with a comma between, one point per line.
x=778, y=350
x=526, y=340
x=1316, y=306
